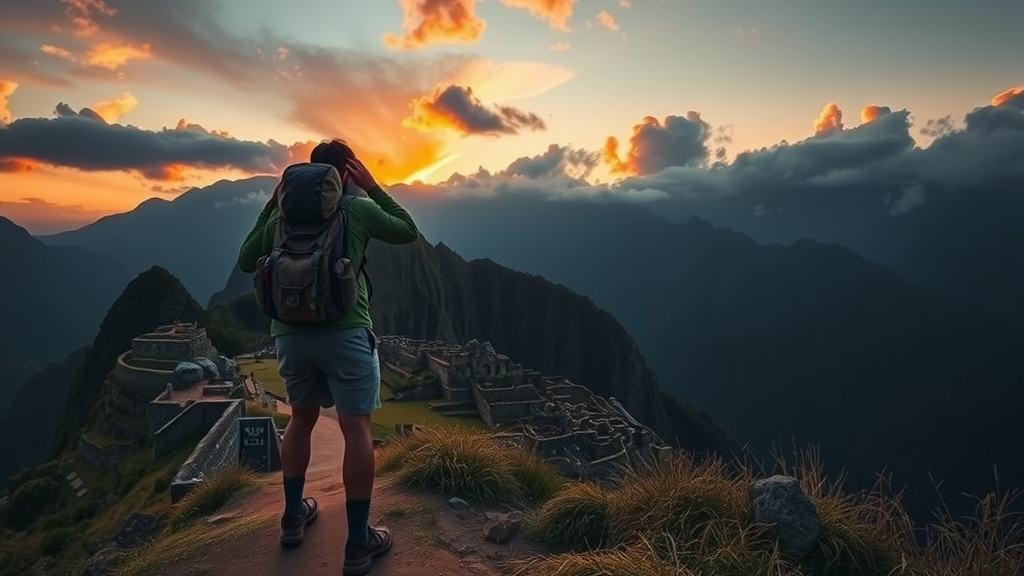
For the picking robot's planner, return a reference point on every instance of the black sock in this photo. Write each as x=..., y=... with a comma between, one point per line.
x=358, y=512
x=293, y=496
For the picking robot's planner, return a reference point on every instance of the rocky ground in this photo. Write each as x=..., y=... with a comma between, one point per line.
x=434, y=535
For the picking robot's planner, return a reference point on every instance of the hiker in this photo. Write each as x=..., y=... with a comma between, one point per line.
x=327, y=352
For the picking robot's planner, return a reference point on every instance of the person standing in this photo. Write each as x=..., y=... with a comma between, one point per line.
x=334, y=363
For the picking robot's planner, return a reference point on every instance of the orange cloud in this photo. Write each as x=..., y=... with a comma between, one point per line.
x=607, y=20
x=430, y=22
x=57, y=51
x=624, y=4
x=113, y=56
x=556, y=12
x=1006, y=95
x=81, y=12
x=656, y=145
x=41, y=217
x=829, y=121
x=184, y=124
x=7, y=89
x=112, y=110
x=872, y=112
x=17, y=165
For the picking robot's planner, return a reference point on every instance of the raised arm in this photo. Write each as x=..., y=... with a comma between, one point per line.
x=387, y=220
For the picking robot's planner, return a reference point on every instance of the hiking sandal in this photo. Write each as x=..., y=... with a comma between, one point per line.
x=293, y=527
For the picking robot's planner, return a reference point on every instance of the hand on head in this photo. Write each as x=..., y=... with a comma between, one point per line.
x=360, y=175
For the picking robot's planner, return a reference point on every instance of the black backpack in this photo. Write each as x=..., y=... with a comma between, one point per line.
x=308, y=278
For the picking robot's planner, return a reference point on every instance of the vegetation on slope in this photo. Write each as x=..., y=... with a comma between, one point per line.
x=58, y=524
x=690, y=518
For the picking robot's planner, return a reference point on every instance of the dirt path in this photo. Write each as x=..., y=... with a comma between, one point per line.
x=431, y=539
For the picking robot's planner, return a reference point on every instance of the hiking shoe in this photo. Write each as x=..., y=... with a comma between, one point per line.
x=359, y=557
x=293, y=527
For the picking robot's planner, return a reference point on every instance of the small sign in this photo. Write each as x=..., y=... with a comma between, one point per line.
x=259, y=446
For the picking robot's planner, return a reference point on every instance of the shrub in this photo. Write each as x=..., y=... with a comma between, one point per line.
x=469, y=464
x=213, y=493
x=576, y=519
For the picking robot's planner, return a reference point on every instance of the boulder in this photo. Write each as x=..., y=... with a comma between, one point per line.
x=210, y=369
x=779, y=501
x=187, y=375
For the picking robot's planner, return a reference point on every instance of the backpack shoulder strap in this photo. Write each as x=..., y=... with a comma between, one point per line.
x=346, y=200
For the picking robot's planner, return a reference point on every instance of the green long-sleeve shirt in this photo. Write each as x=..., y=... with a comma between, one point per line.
x=377, y=216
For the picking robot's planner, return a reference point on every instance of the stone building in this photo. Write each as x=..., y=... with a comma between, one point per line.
x=171, y=387
x=582, y=433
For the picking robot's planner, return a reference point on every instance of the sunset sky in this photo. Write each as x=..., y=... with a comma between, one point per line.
x=105, y=103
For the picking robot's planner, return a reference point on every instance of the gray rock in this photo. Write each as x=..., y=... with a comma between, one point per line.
x=187, y=375
x=210, y=369
x=138, y=530
x=781, y=502
x=458, y=503
x=503, y=527
x=103, y=563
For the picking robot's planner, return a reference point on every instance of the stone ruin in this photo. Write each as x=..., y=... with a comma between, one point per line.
x=174, y=380
x=584, y=434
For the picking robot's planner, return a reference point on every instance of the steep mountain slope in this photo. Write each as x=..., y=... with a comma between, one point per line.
x=959, y=242
x=430, y=292
x=153, y=298
x=51, y=301
x=195, y=235
x=807, y=342
x=26, y=433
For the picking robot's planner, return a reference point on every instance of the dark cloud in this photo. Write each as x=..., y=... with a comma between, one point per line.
x=876, y=166
x=654, y=146
x=83, y=140
x=456, y=108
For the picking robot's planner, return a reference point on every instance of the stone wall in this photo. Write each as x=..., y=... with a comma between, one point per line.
x=219, y=448
x=175, y=343
x=505, y=405
x=102, y=458
x=196, y=417
x=143, y=381
x=160, y=412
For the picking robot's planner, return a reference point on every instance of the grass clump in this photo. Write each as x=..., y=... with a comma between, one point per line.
x=632, y=561
x=577, y=519
x=695, y=518
x=213, y=493
x=470, y=464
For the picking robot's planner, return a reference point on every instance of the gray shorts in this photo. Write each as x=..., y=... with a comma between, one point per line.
x=331, y=367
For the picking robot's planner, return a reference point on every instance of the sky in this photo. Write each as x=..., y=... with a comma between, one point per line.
x=106, y=103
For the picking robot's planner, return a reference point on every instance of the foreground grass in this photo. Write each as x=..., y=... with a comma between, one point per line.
x=150, y=559
x=695, y=518
x=470, y=464
x=214, y=492
x=690, y=518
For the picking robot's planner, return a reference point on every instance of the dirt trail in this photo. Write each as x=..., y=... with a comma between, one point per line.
x=439, y=543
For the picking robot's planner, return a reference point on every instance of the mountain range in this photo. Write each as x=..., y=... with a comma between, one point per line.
x=53, y=299
x=883, y=365
x=423, y=291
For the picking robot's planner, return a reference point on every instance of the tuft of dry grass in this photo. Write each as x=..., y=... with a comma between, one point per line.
x=213, y=493
x=695, y=518
x=576, y=519
x=635, y=560
x=470, y=464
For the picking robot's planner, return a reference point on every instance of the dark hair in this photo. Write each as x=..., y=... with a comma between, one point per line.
x=334, y=152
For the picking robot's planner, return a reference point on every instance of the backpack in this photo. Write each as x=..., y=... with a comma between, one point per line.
x=308, y=278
